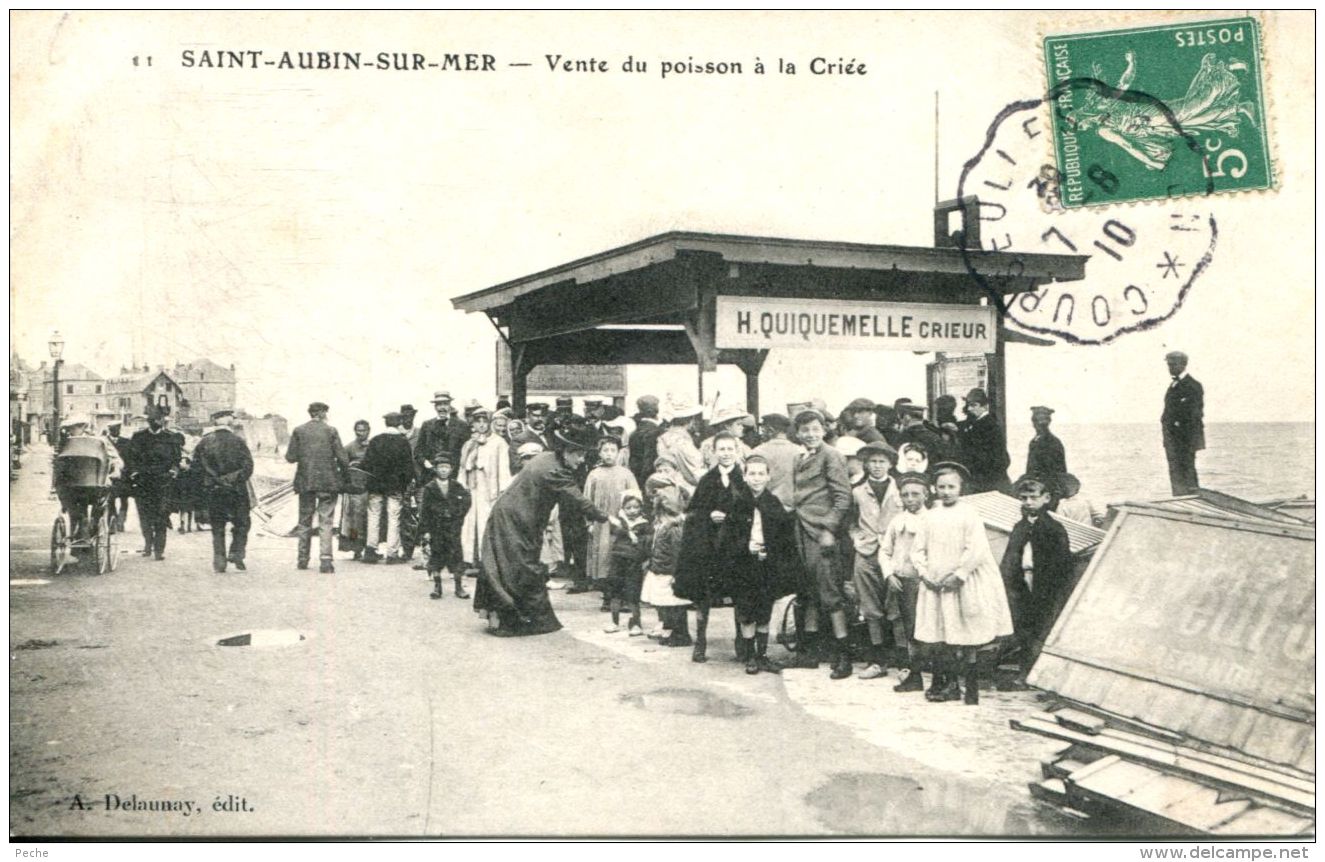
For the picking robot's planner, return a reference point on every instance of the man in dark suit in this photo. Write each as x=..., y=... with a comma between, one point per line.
x=322, y=472
x=1037, y=570
x=157, y=452
x=1184, y=425
x=1045, y=455
x=226, y=466
x=644, y=442
x=984, y=450
x=445, y=433
x=390, y=468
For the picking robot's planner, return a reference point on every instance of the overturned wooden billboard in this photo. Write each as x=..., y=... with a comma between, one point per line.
x=1203, y=626
x=1184, y=664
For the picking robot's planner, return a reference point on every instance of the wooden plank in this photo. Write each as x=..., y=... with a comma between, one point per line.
x=1149, y=755
x=1264, y=820
x=1212, y=759
x=1051, y=790
x=1075, y=719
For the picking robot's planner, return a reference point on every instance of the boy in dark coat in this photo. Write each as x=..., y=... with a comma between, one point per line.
x=768, y=569
x=713, y=538
x=1037, y=570
x=441, y=516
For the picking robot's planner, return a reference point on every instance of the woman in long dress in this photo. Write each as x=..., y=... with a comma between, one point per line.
x=962, y=605
x=513, y=586
x=485, y=471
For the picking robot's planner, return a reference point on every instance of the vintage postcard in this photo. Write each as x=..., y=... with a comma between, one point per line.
x=662, y=424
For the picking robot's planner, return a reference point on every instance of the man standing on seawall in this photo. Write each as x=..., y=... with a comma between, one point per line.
x=1184, y=425
x=315, y=446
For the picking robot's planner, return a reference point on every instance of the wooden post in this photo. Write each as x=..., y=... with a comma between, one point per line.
x=998, y=376
x=751, y=362
x=519, y=378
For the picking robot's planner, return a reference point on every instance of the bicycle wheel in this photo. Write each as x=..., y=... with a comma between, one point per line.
x=59, y=545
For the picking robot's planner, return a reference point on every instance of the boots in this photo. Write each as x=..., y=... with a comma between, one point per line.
x=936, y=684
x=972, y=686
x=747, y=647
x=436, y=587
x=952, y=687
x=878, y=665
x=761, y=654
x=914, y=681
x=841, y=661
x=218, y=565
x=459, y=587
x=679, y=624
x=807, y=652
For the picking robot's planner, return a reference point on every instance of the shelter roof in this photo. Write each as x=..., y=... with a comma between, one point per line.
x=776, y=251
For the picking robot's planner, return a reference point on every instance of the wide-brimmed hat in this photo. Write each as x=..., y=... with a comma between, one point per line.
x=1070, y=485
x=950, y=466
x=407, y=410
x=441, y=395
x=682, y=408
x=576, y=437
x=726, y=414
x=879, y=448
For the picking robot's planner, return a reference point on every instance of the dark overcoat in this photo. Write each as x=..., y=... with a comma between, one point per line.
x=1035, y=608
x=1046, y=457
x=441, y=517
x=985, y=454
x=709, y=551
x=513, y=584
x=756, y=584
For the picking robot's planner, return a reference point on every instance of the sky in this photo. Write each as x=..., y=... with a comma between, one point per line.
x=312, y=227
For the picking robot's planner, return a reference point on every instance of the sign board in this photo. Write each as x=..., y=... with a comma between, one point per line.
x=1204, y=626
x=756, y=322
x=553, y=380
x=957, y=375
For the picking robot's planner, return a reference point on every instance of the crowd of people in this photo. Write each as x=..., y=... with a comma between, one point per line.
x=857, y=515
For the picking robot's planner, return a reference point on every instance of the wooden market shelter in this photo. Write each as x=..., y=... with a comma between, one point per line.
x=654, y=301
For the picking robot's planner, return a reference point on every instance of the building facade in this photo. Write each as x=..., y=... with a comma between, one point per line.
x=206, y=386
x=132, y=393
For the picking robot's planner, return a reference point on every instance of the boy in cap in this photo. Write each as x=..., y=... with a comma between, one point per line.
x=441, y=515
x=899, y=572
x=822, y=498
x=1037, y=570
x=875, y=503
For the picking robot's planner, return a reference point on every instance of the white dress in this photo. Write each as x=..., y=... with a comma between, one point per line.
x=952, y=539
x=486, y=472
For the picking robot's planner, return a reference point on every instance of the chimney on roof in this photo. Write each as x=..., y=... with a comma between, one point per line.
x=146, y=367
x=43, y=363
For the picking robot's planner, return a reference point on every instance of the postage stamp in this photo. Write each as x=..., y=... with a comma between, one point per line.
x=1159, y=112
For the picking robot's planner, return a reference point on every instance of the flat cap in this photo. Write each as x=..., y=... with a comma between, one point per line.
x=860, y=404
x=317, y=407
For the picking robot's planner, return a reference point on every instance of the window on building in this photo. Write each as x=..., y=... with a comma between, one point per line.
x=69, y=389
x=98, y=388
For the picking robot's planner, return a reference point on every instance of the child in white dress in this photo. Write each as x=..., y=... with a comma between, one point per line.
x=962, y=605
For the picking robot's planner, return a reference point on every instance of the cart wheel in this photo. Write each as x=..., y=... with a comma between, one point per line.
x=101, y=545
x=112, y=545
x=59, y=545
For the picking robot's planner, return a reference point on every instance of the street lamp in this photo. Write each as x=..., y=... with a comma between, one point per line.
x=56, y=344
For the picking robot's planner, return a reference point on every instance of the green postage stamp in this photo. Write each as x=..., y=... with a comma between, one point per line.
x=1159, y=112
